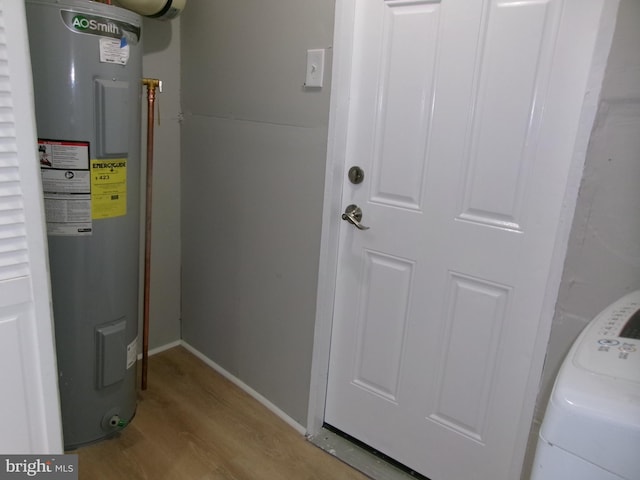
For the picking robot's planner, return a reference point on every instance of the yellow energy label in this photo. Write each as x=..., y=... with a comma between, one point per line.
x=108, y=187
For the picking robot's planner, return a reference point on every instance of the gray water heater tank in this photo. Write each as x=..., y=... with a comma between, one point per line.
x=87, y=70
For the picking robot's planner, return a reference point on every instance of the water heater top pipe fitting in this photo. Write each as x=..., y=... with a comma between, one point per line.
x=160, y=9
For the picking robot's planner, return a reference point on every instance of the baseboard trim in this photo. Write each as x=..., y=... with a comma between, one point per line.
x=162, y=348
x=246, y=388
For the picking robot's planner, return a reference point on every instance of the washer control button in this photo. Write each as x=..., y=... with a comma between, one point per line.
x=627, y=347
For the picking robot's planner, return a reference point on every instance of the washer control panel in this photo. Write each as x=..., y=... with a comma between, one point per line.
x=610, y=344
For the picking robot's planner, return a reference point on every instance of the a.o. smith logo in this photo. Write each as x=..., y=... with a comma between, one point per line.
x=52, y=467
x=80, y=22
x=102, y=26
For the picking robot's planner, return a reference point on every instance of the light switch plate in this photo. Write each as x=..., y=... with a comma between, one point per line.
x=315, y=68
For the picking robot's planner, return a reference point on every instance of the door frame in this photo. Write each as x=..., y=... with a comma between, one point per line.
x=332, y=207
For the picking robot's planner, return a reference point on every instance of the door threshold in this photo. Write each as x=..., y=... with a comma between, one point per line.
x=361, y=457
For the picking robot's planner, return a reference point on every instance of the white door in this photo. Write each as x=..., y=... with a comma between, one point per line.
x=463, y=117
x=29, y=406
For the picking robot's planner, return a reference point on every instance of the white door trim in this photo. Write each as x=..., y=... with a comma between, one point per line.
x=334, y=176
x=329, y=240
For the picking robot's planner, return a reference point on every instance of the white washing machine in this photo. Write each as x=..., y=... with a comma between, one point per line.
x=591, y=429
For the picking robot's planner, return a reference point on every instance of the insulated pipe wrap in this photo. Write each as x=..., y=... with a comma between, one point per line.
x=160, y=9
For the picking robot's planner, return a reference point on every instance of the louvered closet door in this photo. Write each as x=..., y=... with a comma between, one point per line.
x=29, y=411
x=463, y=116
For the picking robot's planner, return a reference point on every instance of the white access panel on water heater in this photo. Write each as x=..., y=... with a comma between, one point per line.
x=591, y=429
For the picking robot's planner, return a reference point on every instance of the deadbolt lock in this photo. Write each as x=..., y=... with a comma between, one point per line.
x=356, y=175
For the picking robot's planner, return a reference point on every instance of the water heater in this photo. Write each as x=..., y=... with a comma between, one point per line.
x=87, y=70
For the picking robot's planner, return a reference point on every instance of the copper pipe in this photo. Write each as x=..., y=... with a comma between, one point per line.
x=151, y=84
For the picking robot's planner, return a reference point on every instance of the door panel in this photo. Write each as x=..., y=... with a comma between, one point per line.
x=506, y=110
x=436, y=303
x=401, y=105
x=474, y=317
x=380, y=344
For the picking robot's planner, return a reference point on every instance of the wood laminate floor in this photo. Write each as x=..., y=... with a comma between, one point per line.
x=193, y=424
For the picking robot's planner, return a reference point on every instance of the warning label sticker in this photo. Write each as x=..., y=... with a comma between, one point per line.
x=66, y=183
x=114, y=51
x=68, y=214
x=63, y=154
x=108, y=188
x=132, y=353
